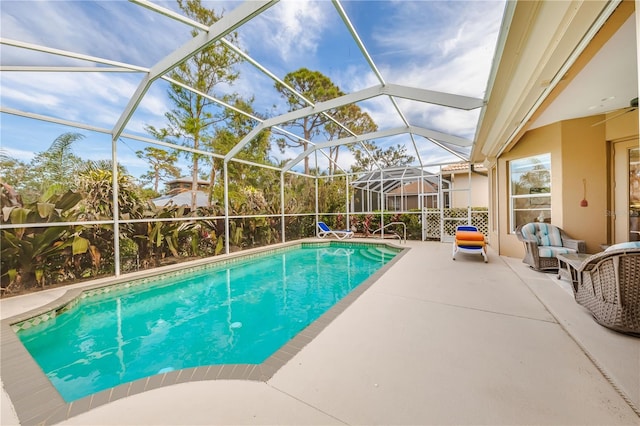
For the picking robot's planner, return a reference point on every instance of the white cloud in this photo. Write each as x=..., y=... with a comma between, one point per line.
x=23, y=96
x=103, y=29
x=289, y=29
x=91, y=98
x=451, y=52
x=20, y=154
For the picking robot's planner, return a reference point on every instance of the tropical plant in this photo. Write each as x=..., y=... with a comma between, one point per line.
x=12, y=170
x=95, y=183
x=28, y=252
x=52, y=171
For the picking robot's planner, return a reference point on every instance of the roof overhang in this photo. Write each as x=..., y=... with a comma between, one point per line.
x=544, y=46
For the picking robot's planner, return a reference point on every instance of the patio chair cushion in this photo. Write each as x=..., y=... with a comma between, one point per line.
x=546, y=235
x=550, y=251
x=630, y=244
x=543, y=242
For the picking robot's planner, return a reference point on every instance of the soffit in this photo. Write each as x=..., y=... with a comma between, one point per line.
x=540, y=38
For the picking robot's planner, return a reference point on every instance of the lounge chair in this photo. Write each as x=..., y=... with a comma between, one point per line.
x=469, y=240
x=609, y=287
x=543, y=241
x=324, y=230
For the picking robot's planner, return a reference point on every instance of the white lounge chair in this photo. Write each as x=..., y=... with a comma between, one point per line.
x=324, y=230
x=469, y=240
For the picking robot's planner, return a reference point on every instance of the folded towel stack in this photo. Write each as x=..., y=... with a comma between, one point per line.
x=469, y=239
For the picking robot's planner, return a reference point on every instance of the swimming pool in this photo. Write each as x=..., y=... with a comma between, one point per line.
x=234, y=312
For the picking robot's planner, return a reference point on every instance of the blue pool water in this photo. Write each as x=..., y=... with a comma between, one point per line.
x=237, y=313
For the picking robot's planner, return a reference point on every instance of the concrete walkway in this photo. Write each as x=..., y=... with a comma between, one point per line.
x=433, y=341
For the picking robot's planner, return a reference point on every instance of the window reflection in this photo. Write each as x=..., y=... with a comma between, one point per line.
x=530, y=199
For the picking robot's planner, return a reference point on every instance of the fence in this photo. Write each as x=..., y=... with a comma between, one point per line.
x=450, y=219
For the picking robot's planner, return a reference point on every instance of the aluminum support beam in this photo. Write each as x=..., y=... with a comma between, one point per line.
x=228, y=23
x=66, y=53
x=394, y=90
x=429, y=134
x=18, y=68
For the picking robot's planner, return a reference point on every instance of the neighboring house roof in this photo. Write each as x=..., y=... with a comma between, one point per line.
x=463, y=167
x=187, y=179
x=413, y=188
x=182, y=199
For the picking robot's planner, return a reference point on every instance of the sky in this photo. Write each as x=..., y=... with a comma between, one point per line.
x=443, y=46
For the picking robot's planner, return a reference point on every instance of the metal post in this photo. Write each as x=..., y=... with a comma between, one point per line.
x=317, y=206
x=469, y=197
x=315, y=227
x=347, y=199
x=226, y=206
x=421, y=204
x=282, y=212
x=441, y=204
x=116, y=207
x=382, y=203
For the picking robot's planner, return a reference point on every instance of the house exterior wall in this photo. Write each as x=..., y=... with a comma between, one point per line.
x=584, y=156
x=479, y=190
x=459, y=198
x=541, y=38
x=578, y=151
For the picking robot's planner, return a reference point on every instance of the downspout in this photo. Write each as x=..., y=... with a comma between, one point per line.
x=473, y=170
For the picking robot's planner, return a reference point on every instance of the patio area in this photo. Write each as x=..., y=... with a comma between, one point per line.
x=433, y=341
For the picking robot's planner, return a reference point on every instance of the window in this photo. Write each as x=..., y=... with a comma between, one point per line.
x=530, y=190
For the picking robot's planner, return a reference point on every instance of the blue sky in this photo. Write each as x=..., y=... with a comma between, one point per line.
x=444, y=46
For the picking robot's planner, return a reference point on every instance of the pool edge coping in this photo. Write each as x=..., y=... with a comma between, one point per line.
x=36, y=401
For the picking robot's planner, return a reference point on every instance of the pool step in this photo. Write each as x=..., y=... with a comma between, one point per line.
x=377, y=254
x=387, y=250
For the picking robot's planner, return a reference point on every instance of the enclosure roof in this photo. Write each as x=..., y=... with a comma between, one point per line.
x=419, y=69
x=391, y=179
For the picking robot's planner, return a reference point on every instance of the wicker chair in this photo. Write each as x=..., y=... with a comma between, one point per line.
x=609, y=287
x=542, y=242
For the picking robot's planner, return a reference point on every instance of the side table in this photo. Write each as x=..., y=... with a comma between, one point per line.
x=568, y=265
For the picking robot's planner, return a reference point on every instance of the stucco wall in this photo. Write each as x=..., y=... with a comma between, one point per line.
x=578, y=151
x=584, y=156
x=479, y=190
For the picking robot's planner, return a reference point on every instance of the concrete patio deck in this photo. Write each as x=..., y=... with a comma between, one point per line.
x=433, y=341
